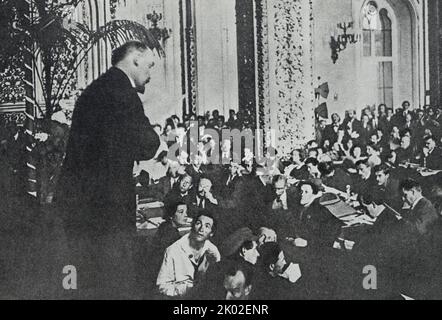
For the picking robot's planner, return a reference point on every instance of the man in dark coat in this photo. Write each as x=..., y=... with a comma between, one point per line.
x=96, y=189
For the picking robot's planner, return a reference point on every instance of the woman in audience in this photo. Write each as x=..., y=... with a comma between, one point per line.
x=373, y=152
x=168, y=233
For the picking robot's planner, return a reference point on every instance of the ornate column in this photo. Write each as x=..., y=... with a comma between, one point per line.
x=285, y=84
x=190, y=62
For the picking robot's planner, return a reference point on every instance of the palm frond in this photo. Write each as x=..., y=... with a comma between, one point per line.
x=120, y=31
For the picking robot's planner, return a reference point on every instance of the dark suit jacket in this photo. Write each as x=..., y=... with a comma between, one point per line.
x=385, y=125
x=390, y=193
x=364, y=187
x=246, y=207
x=340, y=180
x=434, y=160
x=365, y=133
x=422, y=217
x=160, y=189
x=226, y=190
x=330, y=134
x=278, y=219
x=318, y=226
x=109, y=132
x=405, y=155
x=174, y=195
x=194, y=209
x=355, y=127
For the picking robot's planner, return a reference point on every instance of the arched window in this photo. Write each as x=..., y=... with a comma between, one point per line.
x=377, y=44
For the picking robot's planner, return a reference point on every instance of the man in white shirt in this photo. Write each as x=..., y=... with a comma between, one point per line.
x=187, y=260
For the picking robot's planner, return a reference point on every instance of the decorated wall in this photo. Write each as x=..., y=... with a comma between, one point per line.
x=287, y=87
x=353, y=79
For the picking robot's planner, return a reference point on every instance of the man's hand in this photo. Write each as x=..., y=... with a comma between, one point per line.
x=298, y=242
x=354, y=135
x=211, y=256
x=210, y=198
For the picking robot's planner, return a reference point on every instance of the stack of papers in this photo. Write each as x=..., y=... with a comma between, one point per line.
x=358, y=220
x=152, y=223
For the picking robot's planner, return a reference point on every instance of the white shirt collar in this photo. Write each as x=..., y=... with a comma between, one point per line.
x=283, y=199
x=132, y=82
x=185, y=246
x=416, y=202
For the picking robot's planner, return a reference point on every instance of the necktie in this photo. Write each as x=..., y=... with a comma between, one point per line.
x=201, y=204
x=278, y=204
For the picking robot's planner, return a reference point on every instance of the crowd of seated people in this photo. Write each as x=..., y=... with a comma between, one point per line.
x=268, y=224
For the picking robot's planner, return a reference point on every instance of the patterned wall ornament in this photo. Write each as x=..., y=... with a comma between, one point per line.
x=291, y=75
x=11, y=82
x=263, y=64
x=17, y=118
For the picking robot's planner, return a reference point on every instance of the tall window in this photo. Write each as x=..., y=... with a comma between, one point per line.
x=383, y=40
x=378, y=46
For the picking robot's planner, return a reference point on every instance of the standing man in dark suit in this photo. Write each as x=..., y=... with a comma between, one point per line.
x=351, y=127
x=331, y=131
x=96, y=190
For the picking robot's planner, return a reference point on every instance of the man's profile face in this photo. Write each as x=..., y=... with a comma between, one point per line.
x=202, y=229
x=381, y=178
x=236, y=288
x=185, y=184
x=408, y=196
x=144, y=62
x=279, y=187
x=306, y=194
x=251, y=255
x=363, y=171
x=180, y=216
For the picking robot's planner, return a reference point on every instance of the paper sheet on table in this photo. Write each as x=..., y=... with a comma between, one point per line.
x=293, y=272
x=430, y=173
x=156, y=221
x=151, y=205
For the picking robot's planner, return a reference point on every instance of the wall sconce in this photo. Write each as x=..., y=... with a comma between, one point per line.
x=339, y=42
x=160, y=34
